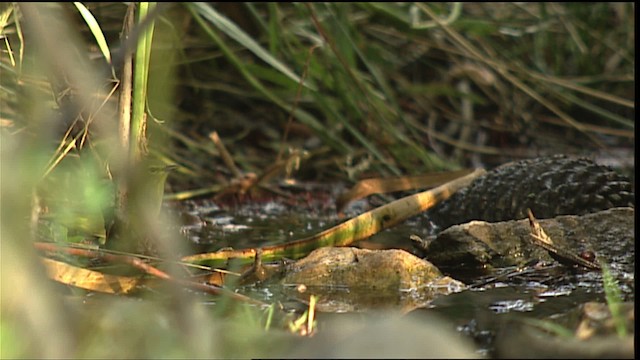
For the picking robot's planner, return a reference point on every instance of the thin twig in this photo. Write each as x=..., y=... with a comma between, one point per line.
x=226, y=157
x=294, y=106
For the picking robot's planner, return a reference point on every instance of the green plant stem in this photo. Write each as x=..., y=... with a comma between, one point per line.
x=140, y=78
x=348, y=232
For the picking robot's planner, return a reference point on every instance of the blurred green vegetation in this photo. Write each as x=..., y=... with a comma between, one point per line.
x=365, y=88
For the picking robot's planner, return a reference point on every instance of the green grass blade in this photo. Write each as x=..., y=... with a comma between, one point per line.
x=93, y=25
x=614, y=299
x=233, y=31
x=303, y=116
x=140, y=79
x=628, y=123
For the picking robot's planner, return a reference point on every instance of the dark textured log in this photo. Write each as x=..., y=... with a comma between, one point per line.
x=550, y=186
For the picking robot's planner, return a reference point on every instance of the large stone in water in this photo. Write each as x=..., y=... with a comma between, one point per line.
x=352, y=279
x=609, y=233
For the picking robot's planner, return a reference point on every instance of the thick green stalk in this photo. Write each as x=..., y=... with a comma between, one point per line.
x=140, y=78
x=350, y=231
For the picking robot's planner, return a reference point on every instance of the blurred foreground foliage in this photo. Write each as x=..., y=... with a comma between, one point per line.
x=364, y=88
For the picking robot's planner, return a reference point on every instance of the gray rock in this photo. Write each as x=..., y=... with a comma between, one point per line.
x=609, y=233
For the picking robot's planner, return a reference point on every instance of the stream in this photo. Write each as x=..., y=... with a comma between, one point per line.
x=484, y=312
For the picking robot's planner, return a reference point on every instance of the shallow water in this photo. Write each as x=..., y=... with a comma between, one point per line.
x=541, y=292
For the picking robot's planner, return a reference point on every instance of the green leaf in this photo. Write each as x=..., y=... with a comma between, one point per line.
x=233, y=31
x=95, y=30
x=614, y=300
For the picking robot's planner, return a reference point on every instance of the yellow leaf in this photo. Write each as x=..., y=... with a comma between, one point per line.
x=89, y=279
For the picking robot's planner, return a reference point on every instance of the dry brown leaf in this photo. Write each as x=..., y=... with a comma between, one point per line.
x=89, y=279
x=536, y=229
x=368, y=187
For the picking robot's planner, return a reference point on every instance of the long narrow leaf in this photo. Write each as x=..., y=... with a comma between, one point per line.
x=140, y=76
x=233, y=31
x=350, y=231
x=95, y=30
x=303, y=116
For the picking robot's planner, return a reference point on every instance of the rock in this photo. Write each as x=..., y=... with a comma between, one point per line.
x=595, y=335
x=517, y=340
x=353, y=279
x=596, y=319
x=609, y=233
